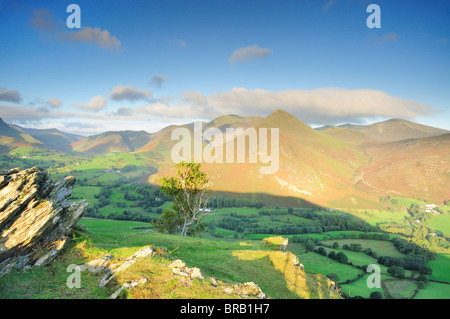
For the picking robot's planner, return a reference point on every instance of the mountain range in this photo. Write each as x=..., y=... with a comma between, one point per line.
x=335, y=166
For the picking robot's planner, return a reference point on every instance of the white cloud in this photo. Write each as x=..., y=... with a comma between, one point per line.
x=129, y=93
x=54, y=102
x=99, y=37
x=10, y=95
x=249, y=53
x=320, y=106
x=328, y=5
x=124, y=111
x=96, y=104
x=325, y=105
x=43, y=20
x=158, y=80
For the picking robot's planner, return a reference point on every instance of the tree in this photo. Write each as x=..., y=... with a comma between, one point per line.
x=190, y=192
x=376, y=295
x=425, y=270
x=396, y=271
x=341, y=257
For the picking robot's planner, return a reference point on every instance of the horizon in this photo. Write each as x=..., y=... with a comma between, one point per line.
x=188, y=123
x=152, y=64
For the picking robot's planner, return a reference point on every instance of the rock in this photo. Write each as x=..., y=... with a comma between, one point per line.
x=179, y=268
x=194, y=273
x=177, y=264
x=126, y=285
x=248, y=289
x=228, y=290
x=114, y=269
x=99, y=265
x=36, y=217
x=214, y=282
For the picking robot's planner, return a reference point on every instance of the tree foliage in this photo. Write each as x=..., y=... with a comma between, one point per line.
x=190, y=192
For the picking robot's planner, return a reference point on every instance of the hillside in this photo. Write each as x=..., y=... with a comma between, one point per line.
x=313, y=166
x=416, y=168
x=14, y=136
x=335, y=167
x=41, y=248
x=395, y=130
x=112, y=142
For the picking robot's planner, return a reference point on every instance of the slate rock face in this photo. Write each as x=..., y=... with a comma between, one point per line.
x=36, y=217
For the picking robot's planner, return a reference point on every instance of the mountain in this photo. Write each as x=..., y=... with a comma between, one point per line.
x=350, y=136
x=395, y=130
x=6, y=130
x=415, y=168
x=323, y=128
x=112, y=142
x=341, y=167
x=313, y=166
x=51, y=138
x=13, y=136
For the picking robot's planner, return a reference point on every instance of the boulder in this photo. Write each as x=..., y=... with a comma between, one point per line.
x=36, y=217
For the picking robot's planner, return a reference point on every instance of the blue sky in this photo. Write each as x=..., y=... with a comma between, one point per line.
x=148, y=64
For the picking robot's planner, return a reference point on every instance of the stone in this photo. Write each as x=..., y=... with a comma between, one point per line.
x=36, y=217
x=248, y=289
x=112, y=270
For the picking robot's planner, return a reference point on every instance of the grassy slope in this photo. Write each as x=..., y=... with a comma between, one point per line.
x=230, y=261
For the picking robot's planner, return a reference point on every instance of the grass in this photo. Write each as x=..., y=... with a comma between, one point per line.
x=440, y=268
x=230, y=260
x=360, y=288
x=440, y=223
x=324, y=265
x=400, y=288
x=51, y=282
x=434, y=290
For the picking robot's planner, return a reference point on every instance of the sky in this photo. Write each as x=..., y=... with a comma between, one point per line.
x=144, y=65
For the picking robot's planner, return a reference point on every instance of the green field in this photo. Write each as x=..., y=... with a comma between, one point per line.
x=400, y=288
x=360, y=288
x=441, y=223
x=434, y=290
x=441, y=268
x=325, y=265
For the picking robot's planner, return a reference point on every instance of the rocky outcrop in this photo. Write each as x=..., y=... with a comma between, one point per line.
x=245, y=290
x=36, y=217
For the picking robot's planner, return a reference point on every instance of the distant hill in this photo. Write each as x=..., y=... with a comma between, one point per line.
x=13, y=136
x=323, y=128
x=415, y=168
x=51, y=138
x=349, y=166
x=353, y=137
x=395, y=130
x=112, y=142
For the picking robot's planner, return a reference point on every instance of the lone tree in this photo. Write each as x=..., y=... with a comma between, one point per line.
x=190, y=192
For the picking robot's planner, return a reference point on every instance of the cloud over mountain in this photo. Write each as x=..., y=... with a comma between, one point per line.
x=324, y=105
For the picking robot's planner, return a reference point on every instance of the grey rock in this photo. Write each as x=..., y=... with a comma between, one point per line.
x=36, y=217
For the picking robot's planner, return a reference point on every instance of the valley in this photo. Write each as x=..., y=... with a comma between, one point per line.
x=342, y=190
